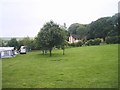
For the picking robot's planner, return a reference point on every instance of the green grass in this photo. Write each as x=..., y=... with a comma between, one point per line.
x=80, y=67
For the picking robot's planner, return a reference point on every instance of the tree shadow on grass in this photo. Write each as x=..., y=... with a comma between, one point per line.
x=48, y=55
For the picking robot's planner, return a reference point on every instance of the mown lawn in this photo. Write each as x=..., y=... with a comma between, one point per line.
x=80, y=67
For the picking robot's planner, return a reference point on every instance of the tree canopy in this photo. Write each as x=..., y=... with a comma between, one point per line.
x=51, y=35
x=101, y=28
x=13, y=43
x=78, y=29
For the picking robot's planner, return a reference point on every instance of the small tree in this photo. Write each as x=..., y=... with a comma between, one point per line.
x=50, y=35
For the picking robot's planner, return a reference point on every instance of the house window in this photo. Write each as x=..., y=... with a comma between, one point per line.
x=6, y=53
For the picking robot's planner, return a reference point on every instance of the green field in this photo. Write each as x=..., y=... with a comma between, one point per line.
x=80, y=67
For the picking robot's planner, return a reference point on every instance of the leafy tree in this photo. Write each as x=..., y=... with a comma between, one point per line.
x=113, y=40
x=1, y=42
x=115, y=31
x=73, y=28
x=50, y=35
x=82, y=31
x=29, y=43
x=13, y=43
x=100, y=28
x=34, y=45
x=79, y=29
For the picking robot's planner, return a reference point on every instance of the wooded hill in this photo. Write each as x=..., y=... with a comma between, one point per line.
x=105, y=28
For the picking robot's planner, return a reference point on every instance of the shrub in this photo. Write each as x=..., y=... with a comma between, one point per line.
x=112, y=40
x=72, y=44
x=96, y=41
x=79, y=44
x=89, y=42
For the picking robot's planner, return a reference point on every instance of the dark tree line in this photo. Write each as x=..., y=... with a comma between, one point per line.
x=28, y=42
x=52, y=35
x=104, y=28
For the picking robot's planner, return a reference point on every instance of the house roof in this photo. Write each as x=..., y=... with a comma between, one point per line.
x=6, y=48
x=74, y=36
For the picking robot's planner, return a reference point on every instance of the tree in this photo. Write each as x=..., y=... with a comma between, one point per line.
x=82, y=31
x=50, y=35
x=13, y=43
x=115, y=31
x=29, y=43
x=105, y=27
x=73, y=28
x=100, y=28
x=79, y=29
x=1, y=42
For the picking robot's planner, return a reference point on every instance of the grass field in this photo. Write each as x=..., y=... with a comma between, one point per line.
x=80, y=67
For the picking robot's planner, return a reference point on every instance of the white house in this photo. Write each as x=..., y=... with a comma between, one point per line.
x=6, y=52
x=73, y=38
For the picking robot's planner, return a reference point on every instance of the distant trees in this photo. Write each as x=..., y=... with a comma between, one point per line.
x=73, y=28
x=1, y=43
x=13, y=43
x=106, y=28
x=26, y=41
x=80, y=30
x=112, y=39
x=29, y=43
x=100, y=28
x=96, y=41
x=114, y=35
x=51, y=35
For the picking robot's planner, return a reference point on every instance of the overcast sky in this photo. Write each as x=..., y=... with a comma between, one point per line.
x=21, y=18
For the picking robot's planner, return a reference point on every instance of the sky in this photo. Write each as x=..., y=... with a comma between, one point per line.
x=21, y=18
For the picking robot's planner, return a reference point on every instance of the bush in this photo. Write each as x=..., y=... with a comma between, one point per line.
x=72, y=44
x=89, y=42
x=79, y=44
x=113, y=40
x=96, y=41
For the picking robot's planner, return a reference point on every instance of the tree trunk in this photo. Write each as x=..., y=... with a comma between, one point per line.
x=43, y=52
x=50, y=52
x=63, y=48
x=103, y=39
x=63, y=51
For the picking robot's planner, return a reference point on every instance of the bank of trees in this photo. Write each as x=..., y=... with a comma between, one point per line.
x=52, y=35
x=26, y=41
x=106, y=28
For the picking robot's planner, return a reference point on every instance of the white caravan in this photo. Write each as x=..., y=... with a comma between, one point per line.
x=23, y=50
